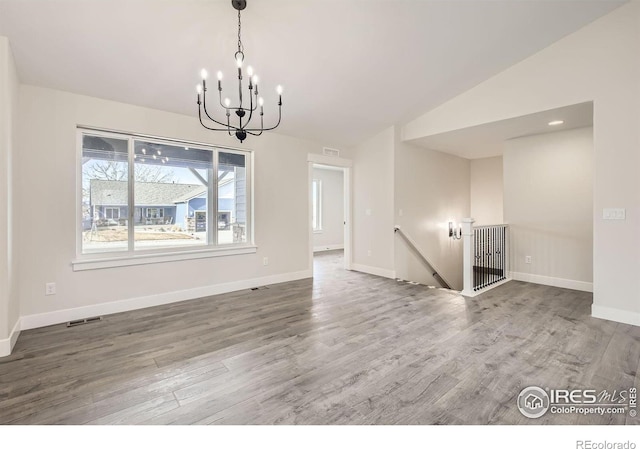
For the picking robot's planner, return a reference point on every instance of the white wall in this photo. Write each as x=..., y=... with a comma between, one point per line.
x=599, y=63
x=5, y=149
x=14, y=222
x=373, y=186
x=9, y=308
x=486, y=191
x=431, y=189
x=332, y=234
x=549, y=207
x=46, y=174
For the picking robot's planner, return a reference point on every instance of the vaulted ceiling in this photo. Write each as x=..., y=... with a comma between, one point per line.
x=349, y=68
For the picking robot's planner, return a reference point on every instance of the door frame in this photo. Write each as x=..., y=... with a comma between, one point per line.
x=347, y=169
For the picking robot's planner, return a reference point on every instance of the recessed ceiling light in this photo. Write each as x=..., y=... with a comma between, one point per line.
x=556, y=122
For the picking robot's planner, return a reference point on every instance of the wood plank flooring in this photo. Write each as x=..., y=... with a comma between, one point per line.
x=344, y=348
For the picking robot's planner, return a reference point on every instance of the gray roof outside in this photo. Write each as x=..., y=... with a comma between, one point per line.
x=192, y=194
x=202, y=190
x=114, y=193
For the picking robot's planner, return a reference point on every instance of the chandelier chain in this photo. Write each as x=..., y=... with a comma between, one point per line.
x=239, y=37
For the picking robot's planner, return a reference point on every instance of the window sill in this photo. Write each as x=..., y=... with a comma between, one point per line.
x=83, y=264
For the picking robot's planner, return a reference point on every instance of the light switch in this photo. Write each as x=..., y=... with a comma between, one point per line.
x=614, y=214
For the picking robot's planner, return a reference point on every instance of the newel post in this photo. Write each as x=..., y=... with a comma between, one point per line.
x=467, y=257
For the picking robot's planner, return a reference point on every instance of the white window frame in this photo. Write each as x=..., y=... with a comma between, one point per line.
x=160, y=213
x=110, y=208
x=317, y=201
x=132, y=256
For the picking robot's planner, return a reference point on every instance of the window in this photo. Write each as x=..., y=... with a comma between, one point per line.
x=232, y=198
x=224, y=220
x=112, y=213
x=145, y=193
x=316, y=204
x=105, y=183
x=155, y=213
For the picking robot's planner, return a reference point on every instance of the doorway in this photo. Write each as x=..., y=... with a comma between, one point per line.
x=329, y=214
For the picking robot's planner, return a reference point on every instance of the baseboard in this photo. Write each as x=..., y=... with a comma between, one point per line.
x=6, y=345
x=551, y=281
x=125, y=305
x=317, y=249
x=374, y=270
x=473, y=294
x=618, y=315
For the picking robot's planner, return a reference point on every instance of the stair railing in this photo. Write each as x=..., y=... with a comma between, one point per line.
x=414, y=246
x=485, y=256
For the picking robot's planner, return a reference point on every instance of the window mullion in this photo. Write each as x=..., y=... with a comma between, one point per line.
x=212, y=207
x=249, y=197
x=131, y=198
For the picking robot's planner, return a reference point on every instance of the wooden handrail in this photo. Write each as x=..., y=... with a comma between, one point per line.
x=424, y=259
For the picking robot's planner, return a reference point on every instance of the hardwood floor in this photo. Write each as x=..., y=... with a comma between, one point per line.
x=345, y=348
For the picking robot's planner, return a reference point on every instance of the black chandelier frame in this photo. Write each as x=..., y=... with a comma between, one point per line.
x=244, y=114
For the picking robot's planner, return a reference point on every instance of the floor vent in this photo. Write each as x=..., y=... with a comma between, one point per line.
x=84, y=321
x=331, y=152
x=263, y=287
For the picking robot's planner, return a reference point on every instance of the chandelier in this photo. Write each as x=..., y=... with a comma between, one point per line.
x=244, y=112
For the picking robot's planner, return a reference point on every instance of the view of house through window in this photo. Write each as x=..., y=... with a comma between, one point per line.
x=232, y=198
x=105, y=175
x=171, y=195
x=171, y=189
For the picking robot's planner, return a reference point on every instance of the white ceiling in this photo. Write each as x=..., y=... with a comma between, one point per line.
x=349, y=68
x=488, y=139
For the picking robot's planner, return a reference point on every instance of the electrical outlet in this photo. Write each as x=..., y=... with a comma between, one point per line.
x=369, y=253
x=614, y=214
x=265, y=261
x=50, y=288
x=400, y=212
x=527, y=259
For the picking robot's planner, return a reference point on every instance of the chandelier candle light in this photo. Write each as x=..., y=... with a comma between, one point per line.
x=244, y=112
